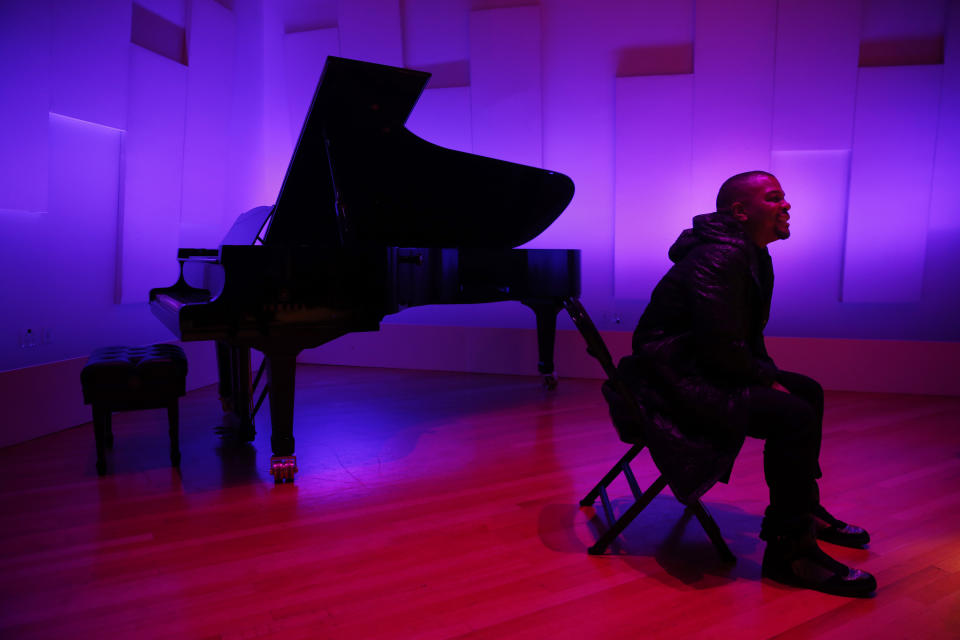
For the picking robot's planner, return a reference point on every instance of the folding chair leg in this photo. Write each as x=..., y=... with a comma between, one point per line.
x=598, y=349
x=617, y=527
x=713, y=531
x=627, y=458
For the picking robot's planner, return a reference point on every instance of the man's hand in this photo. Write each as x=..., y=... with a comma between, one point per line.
x=779, y=387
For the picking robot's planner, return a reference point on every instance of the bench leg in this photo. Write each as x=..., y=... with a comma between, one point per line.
x=101, y=427
x=224, y=376
x=173, y=418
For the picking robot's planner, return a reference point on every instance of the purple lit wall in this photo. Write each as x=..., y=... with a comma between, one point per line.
x=132, y=128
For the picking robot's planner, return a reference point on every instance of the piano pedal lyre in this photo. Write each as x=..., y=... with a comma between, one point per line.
x=550, y=381
x=282, y=468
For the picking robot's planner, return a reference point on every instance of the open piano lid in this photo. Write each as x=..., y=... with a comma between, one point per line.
x=359, y=177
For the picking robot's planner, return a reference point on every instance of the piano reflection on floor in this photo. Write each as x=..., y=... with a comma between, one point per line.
x=370, y=219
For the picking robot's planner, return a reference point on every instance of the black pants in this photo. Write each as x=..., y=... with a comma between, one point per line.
x=792, y=426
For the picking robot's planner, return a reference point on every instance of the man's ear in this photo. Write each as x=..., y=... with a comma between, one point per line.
x=738, y=212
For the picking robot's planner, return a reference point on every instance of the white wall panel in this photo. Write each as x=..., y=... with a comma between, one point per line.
x=654, y=121
x=902, y=32
x=24, y=104
x=70, y=250
x=275, y=129
x=247, y=155
x=945, y=197
x=894, y=139
x=442, y=116
x=435, y=31
x=816, y=74
x=174, y=11
x=582, y=46
x=81, y=230
x=733, y=90
x=307, y=15
x=808, y=264
x=89, y=71
x=371, y=30
x=24, y=239
x=152, y=173
x=505, y=82
x=206, y=137
x=305, y=53
x=887, y=20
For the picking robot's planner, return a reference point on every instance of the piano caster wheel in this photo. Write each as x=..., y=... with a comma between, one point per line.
x=549, y=381
x=282, y=468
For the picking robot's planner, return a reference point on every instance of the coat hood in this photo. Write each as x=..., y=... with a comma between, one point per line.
x=708, y=228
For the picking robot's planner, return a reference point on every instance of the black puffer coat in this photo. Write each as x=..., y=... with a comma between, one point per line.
x=698, y=348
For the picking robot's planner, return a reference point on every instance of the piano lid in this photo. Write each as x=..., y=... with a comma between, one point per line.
x=359, y=177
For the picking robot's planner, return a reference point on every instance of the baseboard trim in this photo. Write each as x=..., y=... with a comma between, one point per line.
x=47, y=398
x=886, y=366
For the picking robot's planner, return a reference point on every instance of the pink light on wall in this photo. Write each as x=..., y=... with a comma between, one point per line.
x=153, y=174
x=653, y=199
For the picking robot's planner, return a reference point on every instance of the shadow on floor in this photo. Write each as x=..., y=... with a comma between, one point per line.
x=664, y=535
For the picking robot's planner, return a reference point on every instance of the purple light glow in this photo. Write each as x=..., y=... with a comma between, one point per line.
x=204, y=141
x=894, y=141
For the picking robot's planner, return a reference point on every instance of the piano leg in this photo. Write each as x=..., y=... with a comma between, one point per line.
x=225, y=376
x=281, y=376
x=242, y=395
x=546, y=312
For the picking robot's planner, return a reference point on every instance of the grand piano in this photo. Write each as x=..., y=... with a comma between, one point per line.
x=370, y=220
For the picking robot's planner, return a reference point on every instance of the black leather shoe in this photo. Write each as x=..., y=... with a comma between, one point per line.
x=834, y=531
x=807, y=566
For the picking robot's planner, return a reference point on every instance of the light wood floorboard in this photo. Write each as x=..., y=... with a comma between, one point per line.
x=441, y=505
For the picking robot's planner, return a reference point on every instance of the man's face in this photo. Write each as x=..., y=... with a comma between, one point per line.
x=763, y=211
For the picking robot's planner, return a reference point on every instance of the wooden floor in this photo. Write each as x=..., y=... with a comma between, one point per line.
x=437, y=505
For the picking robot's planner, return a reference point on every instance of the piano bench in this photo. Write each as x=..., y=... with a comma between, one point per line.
x=133, y=378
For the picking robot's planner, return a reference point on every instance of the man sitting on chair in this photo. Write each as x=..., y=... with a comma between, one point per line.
x=700, y=340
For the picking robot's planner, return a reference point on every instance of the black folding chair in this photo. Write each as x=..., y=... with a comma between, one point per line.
x=622, y=399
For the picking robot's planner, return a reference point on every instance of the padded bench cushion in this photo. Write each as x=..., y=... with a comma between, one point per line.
x=133, y=377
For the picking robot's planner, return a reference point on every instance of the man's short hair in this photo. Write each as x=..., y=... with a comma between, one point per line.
x=735, y=187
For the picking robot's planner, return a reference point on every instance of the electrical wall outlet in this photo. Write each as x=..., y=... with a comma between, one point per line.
x=29, y=339
x=610, y=317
